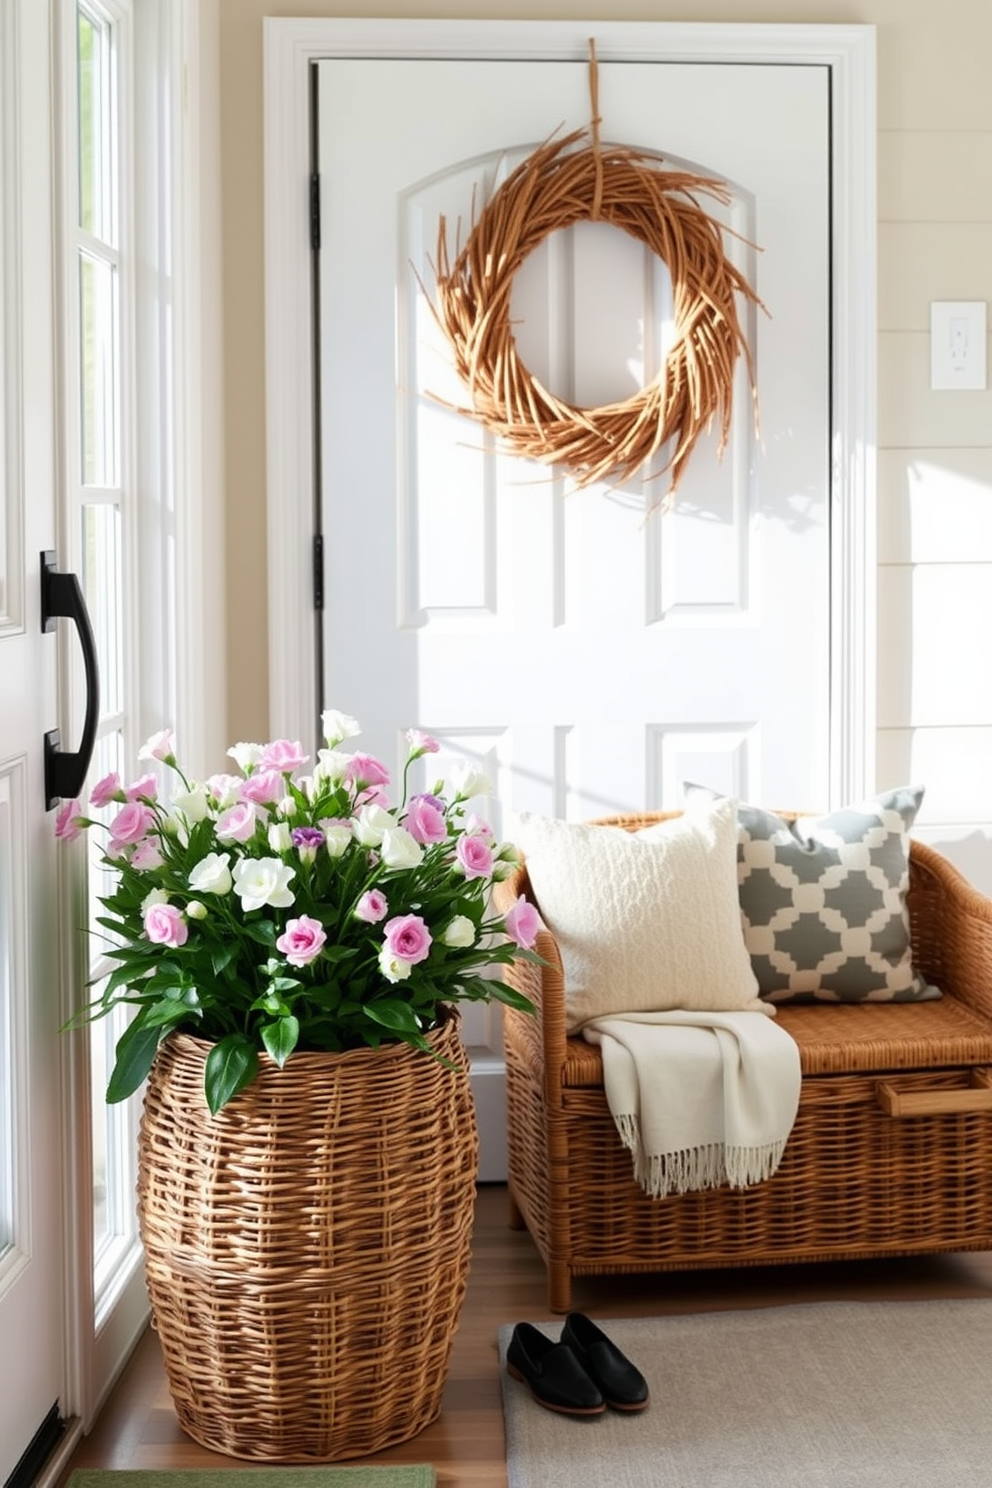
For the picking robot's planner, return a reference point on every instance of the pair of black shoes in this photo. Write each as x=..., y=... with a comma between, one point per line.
x=580, y=1375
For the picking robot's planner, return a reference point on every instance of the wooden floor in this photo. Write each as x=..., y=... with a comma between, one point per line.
x=138, y=1427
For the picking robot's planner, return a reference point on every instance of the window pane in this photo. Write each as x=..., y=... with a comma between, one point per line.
x=93, y=59
x=107, y=760
x=112, y=1181
x=102, y=583
x=97, y=371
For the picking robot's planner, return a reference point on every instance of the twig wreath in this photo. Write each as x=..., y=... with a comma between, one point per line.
x=557, y=185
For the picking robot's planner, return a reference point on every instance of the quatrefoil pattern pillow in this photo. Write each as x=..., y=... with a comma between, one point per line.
x=823, y=901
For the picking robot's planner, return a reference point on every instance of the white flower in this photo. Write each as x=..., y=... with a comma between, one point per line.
x=158, y=747
x=193, y=805
x=261, y=881
x=331, y=767
x=393, y=968
x=157, y=896
x=212, y=874
x=280, y=838
x=287, y=806
x=245, y=755
x=399, y=850
x=460, y=933
x=370, y=825
x=196, y=910
x=468, y=781
x=337, y=835
x=336, y=726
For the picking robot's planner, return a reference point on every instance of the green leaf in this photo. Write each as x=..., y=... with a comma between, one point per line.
x=167, y=1014
x=397, y=1016
x=262, y=931
x=336, y=953
x=135, y=1054
x=231, y=1065
x=500, y=992
x=284, y=984
x=281, y=1037
x=221, y=956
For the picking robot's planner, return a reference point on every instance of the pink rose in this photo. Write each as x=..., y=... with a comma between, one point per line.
x=237, y=823
x=424, y=821
x=106, y=790
x=408, y=938
x=164, y=924
x=474, y=856
x=69, y=821
x=146, y=786
x=375, y=796
x=421, y=743
x=522, y=923
x=225, y=789
x=372, y=907
x=302, y=940
x=365, y=770
x=264, y=787
x=283, y=755
x=147, y=854
x=133, y=822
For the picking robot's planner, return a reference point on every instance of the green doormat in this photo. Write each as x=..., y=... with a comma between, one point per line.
x=420, y=1475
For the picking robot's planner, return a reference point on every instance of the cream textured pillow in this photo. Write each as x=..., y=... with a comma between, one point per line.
x=645, y=921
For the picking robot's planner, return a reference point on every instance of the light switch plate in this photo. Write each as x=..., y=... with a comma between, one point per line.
x=958, y=344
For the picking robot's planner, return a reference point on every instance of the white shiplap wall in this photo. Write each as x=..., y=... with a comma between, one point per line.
x=935, y=448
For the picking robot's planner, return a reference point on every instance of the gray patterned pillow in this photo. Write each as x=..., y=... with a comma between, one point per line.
x=823, y=901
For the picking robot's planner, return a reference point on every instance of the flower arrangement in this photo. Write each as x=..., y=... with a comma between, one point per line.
x=271, y=910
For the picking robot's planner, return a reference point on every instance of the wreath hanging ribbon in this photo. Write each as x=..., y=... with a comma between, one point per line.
x=557, y=185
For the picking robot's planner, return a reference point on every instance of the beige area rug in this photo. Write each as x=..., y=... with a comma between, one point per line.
x=820, y=1395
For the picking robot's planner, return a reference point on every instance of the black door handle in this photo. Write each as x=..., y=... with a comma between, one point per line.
x=62, y=598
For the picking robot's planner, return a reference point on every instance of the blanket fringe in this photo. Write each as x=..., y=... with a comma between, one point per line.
x=697, y=1167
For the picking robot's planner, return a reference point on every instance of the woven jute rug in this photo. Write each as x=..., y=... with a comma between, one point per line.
x=418, y=1475
x=823, y=1395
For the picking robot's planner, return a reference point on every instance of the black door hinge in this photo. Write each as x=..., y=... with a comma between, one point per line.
x=318, y=572
x=315, y=211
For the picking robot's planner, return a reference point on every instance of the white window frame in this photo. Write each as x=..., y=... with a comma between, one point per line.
x=171, y=454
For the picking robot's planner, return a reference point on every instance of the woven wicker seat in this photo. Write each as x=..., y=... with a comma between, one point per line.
x=890, y=1154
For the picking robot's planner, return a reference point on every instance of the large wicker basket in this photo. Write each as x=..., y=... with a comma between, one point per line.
x=308, y=1248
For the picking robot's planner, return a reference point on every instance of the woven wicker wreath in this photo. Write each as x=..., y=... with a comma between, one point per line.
x=557, y=185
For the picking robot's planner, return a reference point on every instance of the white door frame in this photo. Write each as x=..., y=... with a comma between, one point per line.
x=291, y=45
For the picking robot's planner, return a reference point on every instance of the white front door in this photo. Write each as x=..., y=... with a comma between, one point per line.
x=588, y=654
x=32, y=1184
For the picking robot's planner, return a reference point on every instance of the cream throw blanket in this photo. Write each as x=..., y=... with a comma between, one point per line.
x=699, y=1098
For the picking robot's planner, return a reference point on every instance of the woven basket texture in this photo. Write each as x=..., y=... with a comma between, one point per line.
x=307, y=1249
x=854, y=1181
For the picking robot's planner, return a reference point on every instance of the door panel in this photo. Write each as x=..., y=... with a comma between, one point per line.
x=609, y=649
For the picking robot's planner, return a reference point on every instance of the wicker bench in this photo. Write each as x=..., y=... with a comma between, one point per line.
x=891, y=1152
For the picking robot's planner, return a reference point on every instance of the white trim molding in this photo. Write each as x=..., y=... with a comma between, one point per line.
x=292, y=45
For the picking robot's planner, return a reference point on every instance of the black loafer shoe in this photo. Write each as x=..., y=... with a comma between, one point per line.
x=623, y=1387
x=556, y=1378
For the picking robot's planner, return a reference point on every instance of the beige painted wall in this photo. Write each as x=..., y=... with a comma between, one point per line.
x=935, y=457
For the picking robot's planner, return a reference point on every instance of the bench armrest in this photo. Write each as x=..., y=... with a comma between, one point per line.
x=543, y=1035
x=951, y=928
